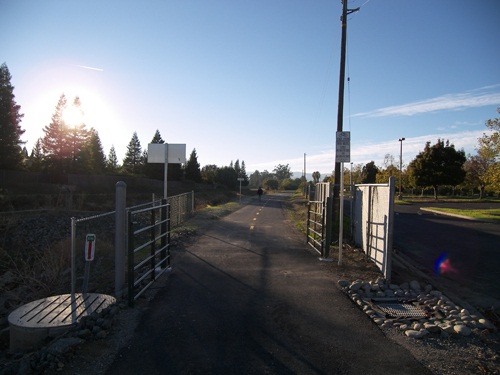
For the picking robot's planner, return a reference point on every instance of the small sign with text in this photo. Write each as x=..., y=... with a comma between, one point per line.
x=343, y=147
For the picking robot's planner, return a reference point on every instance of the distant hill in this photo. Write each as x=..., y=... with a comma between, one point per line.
x=308, y=175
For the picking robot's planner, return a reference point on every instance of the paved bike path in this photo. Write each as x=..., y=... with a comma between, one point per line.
x=249, y=297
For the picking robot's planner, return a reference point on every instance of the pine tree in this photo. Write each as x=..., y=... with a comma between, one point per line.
x=237, y=167
x=193, y=172
x=133, y=156
x=95, y=160
x=77, y=136
x=35, y=162
x=54, y=142
x=243, y=173
x=10, y=131
x=157, y=138
x=155, y=170
x=112, y=165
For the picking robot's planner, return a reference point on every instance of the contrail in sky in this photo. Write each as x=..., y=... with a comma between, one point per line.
x=469, y=99
x=89, y=68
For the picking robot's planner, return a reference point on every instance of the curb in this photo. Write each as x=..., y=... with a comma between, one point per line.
x=456, y=215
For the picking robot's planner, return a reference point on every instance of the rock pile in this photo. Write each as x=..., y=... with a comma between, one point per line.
x=435, y=313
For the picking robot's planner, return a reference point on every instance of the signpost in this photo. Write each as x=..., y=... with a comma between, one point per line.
x=89, y=257
x=90, y=247
x=166, y=153
x=342, y=155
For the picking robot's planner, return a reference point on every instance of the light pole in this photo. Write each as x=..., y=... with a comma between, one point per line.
x=400, y=165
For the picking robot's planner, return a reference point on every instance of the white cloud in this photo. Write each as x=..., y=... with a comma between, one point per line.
x=474, y=98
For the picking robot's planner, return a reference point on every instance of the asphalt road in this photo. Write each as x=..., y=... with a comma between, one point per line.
x=472, y=248
x=249, y=297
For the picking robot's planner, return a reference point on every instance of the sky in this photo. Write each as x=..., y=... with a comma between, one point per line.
x=258, y=81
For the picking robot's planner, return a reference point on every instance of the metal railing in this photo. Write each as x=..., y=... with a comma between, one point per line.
x=315, y=229
x=113, y=236
x=148, y=247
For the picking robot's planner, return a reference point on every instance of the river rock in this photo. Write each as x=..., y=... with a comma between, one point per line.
x=343, y=283
x=462, y=330
x=355, y=286
x=486, y=323
x=415, y=285
x=416, y=334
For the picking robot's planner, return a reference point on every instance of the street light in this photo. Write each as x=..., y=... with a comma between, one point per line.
x=400, y=165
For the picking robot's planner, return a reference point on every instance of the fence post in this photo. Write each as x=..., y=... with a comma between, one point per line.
x=328, y=225
x=73, y=267
x=120, y=237
x=192, y=202
x=392, y=188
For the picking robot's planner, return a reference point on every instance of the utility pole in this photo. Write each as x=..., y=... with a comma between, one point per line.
x=340, y=113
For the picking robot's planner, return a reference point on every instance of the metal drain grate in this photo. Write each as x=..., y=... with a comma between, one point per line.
x=401, y=310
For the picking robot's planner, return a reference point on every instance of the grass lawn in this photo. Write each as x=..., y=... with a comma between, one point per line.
x=487, y=214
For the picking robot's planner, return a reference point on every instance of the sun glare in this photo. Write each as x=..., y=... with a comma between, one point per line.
x=73, y=116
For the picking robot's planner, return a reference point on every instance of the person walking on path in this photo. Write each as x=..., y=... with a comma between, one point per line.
x=260, y=192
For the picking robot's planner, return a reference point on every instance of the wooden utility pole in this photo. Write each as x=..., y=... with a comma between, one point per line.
x=340, y=113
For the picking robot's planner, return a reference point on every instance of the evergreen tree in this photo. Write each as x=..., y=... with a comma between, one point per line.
x=93, y=154
x=133, y=156
x=193, y=172
x=54, y=143
x=237, y=167
x=144, y=162
x=65, y=137
x=227, y=176
x=369, y=173
x=155, y=170
x=243, y=173
x=209, y=173
x=77, y=136
x=157, y=138
x=10, y=119
x=35, y=162
x=112, y=165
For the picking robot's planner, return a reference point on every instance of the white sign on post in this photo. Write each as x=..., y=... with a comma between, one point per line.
x=166, y=153
x=90, y=247
x=343, y=147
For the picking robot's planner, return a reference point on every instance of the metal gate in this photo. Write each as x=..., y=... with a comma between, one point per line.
x=318, y=226
x=148, y=247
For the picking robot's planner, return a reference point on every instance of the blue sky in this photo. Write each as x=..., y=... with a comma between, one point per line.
x=258, y=80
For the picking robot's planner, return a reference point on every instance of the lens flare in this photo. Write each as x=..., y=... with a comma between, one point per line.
x=443, y=265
